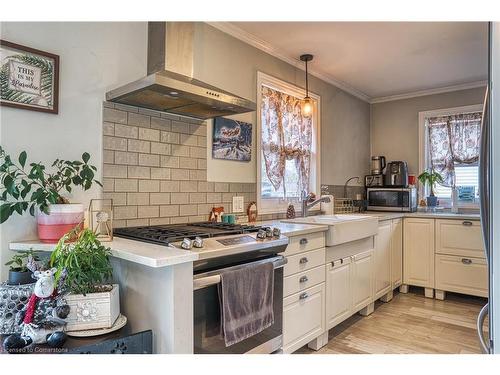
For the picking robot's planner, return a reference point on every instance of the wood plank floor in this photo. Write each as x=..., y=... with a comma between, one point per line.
x=409, y=324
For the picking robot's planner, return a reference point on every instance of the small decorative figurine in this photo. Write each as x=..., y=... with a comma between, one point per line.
x=290, y=212
x=216, y=214
x=101, y=218
x=43, y=318
x=252, y=212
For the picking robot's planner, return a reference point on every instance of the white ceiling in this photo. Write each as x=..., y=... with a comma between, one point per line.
x=377, y=60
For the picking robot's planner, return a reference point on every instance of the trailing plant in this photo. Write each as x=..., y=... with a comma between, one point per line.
x=430, y=178
x=82, y=266
x=27, y=187
x=24, y=261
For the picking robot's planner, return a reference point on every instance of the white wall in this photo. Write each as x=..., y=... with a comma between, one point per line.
x=231, y=64
x=94, y=57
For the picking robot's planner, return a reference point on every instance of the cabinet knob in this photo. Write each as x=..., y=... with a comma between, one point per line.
x=303, y=260
x=303, y=279
x=303, y=296
x=466, y=261
x=303, y=241
x=467, y=223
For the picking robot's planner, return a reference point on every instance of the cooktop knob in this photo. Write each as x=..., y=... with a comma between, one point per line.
x=187, y=244
x=261, y=234
x=276, y=232
x=198, y=242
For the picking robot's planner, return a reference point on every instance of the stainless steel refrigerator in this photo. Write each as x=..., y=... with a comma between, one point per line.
x=489, y=182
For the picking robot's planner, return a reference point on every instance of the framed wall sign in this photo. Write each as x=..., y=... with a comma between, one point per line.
x=29, y=78
x=232, y=140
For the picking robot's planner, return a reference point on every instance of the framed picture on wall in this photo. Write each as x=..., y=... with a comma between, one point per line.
x=232, y=140
x=29, y=78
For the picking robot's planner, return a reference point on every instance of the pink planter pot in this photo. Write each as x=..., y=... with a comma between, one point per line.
x=62, y=218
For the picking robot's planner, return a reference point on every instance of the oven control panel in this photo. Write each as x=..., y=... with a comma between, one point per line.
x=236, y=240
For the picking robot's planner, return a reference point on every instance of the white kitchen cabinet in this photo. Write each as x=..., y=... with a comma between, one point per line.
x=459, y=237
x=303, y=317
x=362, y=280
x=382, y=259
x=397, y=253
x=418, y=254
x=338, y=292
x=461, y=275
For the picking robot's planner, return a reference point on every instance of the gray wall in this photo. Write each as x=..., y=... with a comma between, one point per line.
x=227, y=62
x=394, y=125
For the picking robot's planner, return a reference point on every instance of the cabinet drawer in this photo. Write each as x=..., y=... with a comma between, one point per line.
x=304, y=261
x=303, y=280
x=299, y=244
x=462, y=275
x=303, y=317
x=459, y=237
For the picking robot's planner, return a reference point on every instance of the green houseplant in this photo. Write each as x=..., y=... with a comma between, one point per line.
x=21, y=267
x=84, y=272
x=431, y=178
x=32, y=187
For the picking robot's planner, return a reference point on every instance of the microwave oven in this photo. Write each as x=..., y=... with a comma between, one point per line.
x=392, y=199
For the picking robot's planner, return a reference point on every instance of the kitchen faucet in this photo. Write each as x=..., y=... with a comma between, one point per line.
x=347, y=182
x=306, y=205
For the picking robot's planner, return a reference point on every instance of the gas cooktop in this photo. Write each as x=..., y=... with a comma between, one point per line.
x=166, y=234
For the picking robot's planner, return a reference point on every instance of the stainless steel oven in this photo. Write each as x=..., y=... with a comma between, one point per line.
x=207, y=337
x=392, y=199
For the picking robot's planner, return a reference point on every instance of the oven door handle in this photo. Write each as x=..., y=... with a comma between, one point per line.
x=213, y=278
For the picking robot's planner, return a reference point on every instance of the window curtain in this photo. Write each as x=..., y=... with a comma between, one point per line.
x=286, y=135
x=453, y=140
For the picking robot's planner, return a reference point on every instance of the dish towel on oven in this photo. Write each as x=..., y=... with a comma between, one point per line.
x=246, y=301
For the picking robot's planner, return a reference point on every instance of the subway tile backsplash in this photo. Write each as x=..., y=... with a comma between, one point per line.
x=155, y=169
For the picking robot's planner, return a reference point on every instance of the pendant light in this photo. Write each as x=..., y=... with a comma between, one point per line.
x=307, y=103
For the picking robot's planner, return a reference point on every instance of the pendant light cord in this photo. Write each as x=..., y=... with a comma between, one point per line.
x=307, y=82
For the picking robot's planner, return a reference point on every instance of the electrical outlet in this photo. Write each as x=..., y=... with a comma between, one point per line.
x=237, y=204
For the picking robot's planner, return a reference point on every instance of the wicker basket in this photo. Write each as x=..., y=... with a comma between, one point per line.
x=343, y=206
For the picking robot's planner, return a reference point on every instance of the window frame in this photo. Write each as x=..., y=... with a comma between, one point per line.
x=279, y=205
x=423, y=159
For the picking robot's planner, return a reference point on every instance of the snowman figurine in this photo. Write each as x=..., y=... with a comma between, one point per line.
x=43, y=317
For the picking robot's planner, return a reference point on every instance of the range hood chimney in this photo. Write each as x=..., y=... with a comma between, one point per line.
x=170, y=85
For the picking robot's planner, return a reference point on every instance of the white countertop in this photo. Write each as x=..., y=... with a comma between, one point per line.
x=155, y=256
x=444, y=214
x=134, y=251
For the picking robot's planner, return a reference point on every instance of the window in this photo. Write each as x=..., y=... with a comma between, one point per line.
x=287, y=145
x=449, y=143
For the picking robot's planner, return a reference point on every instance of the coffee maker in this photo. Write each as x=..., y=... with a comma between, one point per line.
x=376, y=178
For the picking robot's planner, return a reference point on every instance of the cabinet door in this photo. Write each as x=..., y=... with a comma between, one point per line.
x=382, y=259
x=397, y=253
x=303, y=317
x=338, y=292
x=418, y=252
x=362, y=280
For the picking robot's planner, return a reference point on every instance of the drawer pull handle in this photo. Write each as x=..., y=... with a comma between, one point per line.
x=467, y=223
x=303, y=296
x=466, y=261
x=303, y=241
x=303, y=260
x=303, y=279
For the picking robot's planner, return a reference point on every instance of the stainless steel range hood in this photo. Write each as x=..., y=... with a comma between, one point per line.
x=170, y=85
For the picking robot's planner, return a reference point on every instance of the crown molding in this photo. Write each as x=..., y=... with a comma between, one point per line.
x=262, y=45
x=258, y=43
x=439, y=90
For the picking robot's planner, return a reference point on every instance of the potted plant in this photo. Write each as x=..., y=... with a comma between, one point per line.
x=32, y=188
x=83, y=271
x=22, y=265
x=431, y=178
